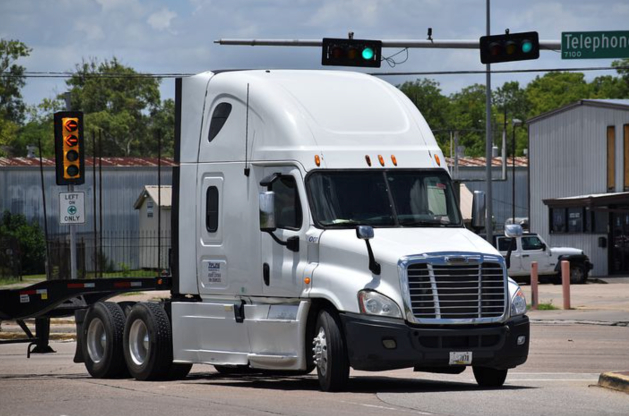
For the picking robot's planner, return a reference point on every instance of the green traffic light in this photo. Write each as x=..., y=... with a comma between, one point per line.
x=368, y=54
x=527, y=46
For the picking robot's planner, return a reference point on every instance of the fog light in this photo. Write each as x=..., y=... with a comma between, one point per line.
x=521, y=339
x=389, y=344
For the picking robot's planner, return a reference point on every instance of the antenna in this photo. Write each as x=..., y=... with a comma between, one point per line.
x=247, y=170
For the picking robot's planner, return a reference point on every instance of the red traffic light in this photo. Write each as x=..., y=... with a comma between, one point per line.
x=71, y=125
x=72, y=140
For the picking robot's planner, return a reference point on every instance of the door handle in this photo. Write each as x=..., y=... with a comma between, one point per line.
x=525, y=255
x=266, y=273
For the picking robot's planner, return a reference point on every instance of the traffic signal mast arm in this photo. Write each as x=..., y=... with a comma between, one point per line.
x=392, y=43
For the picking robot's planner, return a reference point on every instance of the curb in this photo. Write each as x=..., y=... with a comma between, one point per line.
x=615, y=381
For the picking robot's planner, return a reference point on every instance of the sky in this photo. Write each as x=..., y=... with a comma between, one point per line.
x=162, y=36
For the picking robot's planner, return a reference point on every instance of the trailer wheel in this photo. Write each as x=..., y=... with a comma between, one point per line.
x=148, y=342
x=103, y=330
x=330, y=353
x=490, y=377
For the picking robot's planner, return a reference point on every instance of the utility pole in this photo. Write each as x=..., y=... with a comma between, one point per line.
x=488, y=144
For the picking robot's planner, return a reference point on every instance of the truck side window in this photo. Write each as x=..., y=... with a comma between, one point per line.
x=503, y=244
x=287, y=204
x=211, y=209
x=531, y=243
x=219, y=117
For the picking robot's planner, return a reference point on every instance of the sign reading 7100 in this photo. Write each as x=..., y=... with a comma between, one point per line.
x=72, y=208
x=595, y=45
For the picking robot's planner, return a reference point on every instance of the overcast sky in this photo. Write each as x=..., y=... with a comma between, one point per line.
x=162, y=36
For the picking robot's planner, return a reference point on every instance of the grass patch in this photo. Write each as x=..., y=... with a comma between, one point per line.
x=545, y=307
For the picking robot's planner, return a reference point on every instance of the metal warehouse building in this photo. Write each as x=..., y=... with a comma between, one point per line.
x=579, y=180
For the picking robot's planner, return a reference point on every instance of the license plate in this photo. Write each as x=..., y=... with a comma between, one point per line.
x=460, y=357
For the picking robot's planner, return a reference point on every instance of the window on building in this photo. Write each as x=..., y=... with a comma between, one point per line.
x=149, y=209
x=625, y=167
x=558, y=220
x=288, y=212
x=575, y=220
x=219, y=117
x=211, y=209
x=611, y=158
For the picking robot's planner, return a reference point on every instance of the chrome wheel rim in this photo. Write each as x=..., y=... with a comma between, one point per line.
x=139, y=342
x=96, y=340
x=320, y=350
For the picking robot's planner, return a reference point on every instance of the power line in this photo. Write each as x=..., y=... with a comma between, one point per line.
x=49, y=74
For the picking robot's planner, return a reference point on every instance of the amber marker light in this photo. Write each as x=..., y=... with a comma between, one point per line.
x=438, y=160
x=307, y=280
x=317, y=160
x=368, y=159
x=394, y=160
x=381, y=160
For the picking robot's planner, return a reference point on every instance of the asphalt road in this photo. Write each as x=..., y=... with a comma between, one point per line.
x=559, y=379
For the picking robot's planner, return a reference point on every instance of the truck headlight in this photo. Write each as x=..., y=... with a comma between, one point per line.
x=374, y=303
x=518, y=303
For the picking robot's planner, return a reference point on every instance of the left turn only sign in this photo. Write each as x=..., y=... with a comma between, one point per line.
x=72, y=208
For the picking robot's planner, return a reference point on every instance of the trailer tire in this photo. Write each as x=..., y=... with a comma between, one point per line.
x=103, y=331
x=148, y=347
x=490, y=377
x=330, y=352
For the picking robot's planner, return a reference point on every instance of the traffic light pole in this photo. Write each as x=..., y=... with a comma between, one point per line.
x=489, y=226
x=72, y=244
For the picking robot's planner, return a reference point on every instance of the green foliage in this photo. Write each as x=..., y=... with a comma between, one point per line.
x=11, y=105
x=555, y=90
x=118, y=101
x=468, y=118
x=31, y=244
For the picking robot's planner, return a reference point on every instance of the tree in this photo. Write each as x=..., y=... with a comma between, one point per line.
x=31, y=246
x=468, y=118
x=117, y=100
x=609, y=87
x=555, y=90
x=510, y=103
x=12, y=107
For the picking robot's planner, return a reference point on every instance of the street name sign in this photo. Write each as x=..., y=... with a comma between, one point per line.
x=595, y=45
x=72, y=208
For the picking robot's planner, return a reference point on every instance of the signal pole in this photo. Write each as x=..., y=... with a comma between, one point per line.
x=73, y=271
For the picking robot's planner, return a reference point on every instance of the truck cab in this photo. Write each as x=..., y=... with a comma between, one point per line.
x=315, y=226
x=531, y=247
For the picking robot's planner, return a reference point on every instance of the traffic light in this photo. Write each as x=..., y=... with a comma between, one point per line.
x=509, y=47
x=69, y=151
x=351, y=52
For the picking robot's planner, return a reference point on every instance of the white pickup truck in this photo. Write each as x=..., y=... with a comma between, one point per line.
x=531, y=247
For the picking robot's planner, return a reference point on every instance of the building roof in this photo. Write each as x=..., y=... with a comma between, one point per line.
x=105, y=161
x=602, y=103
x=479, y=162
x=591, y=201
x=165, y=199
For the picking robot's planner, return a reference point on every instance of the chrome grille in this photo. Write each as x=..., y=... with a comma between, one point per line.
x=463, y=291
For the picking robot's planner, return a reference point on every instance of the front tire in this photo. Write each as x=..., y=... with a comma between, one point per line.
x=330, y=353
x=148, y=342
x=490, y=377
x=578, y=274
x=103, y=330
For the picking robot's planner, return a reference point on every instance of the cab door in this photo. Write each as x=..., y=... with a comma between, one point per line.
x=282, y=269
x=533, y=249
x=503, y=244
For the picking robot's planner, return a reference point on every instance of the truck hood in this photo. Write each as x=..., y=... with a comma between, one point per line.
x=562, y=251
x=391, y=244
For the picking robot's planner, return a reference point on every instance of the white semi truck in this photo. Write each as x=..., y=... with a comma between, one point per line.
x=314, y=227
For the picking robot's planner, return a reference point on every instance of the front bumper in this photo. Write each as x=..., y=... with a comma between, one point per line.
x=492, y=346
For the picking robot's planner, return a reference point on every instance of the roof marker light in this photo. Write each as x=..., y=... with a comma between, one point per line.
x=381, y=160
x=368, y=159
x=394, y=160
x=317, y=160
x=438, y=160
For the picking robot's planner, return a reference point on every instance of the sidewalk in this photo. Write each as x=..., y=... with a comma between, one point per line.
x=604, y=301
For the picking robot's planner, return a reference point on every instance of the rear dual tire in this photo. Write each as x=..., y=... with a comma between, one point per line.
x=103, y=330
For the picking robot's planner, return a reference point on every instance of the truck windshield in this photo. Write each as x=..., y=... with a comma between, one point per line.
x=383, y=198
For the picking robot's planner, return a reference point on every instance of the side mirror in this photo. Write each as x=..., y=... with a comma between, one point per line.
x=543, y=247
x=478, y=210
x=267, y=211
x=364, y=232
x=513, y=230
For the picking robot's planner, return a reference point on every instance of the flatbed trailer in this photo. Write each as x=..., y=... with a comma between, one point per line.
x=63, y=298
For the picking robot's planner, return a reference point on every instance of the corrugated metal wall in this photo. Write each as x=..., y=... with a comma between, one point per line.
x=502, y=191
x=568, y=157
x=20, y=193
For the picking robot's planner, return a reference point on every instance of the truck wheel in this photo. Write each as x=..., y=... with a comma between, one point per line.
x=490, y=377
x=147, y=342
x=103, y=330
x=330, y=355
x=578, y=275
